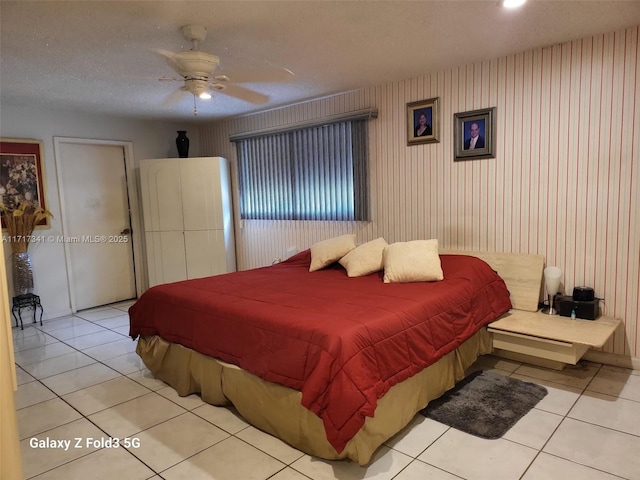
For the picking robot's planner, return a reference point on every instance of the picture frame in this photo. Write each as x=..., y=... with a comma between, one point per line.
x=428, y=112
x=480, y=122
x=22, y=174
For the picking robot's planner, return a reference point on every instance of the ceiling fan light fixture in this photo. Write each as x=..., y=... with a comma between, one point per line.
x=205, y=96
x=196, y=86
x=513, y=3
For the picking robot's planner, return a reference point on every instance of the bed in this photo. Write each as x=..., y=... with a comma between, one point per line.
x=330, y=364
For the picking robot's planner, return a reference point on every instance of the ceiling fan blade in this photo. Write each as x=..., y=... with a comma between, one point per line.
x=170, y=58
x=174, y=97
x=241, y=93
x=275, y=75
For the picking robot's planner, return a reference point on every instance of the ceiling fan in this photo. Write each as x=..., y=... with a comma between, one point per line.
x=197, y=71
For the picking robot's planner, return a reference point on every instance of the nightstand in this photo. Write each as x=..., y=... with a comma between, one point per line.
x=550, y=341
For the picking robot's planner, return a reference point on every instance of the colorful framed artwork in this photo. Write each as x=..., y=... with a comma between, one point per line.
x=21, y=174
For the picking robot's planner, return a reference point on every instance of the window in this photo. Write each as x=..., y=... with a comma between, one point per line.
x=312, y=173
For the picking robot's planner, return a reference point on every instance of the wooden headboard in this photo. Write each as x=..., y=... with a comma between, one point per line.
x=520, y=271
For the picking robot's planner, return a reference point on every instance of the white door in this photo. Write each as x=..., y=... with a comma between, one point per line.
x=96, y=222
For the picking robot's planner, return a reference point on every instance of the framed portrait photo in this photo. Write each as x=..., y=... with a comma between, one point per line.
x=21, y=174
x=423, y=122
x=474, y=134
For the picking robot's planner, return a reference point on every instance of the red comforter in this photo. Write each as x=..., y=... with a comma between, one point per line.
x=343, y=342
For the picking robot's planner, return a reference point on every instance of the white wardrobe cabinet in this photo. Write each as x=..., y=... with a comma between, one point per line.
x=188, y=222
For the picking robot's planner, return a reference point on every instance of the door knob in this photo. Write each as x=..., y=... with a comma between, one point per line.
x=126, y=231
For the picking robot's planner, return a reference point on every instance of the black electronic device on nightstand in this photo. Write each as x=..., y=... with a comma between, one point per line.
x=584, y=309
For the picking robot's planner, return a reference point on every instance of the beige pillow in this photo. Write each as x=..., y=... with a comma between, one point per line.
x=365, y=259
x=328, y=251
x=415, y=261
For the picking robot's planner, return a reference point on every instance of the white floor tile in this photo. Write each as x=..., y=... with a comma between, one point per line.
x=104, y=395
x=548, y=467
x=111, y=349
x=577, y=376
x=99, y=313
x=607, y=411
x=417, y=436
x=77, y=331
x=45, y=352
x=39, y=460
x=19, y=334
x=93, y=339
x=44, y=416
x=597, y=447
x=124, y=331
x=385, y=464
x=534, y=429
x=225, y=418
x=289, y=474
x=491, y=362
x=418, y=470
x=27, y=318
x=145, y=377
x=136, y=415
x=617, y=382
x=63, y=322
x=270, y=444
x=114, y=322
x=104, y=464
x=80, y=378
x=125, y=364
x=32, y=393
x=230, y=459
x=559, y=398
x=188, y=403
x=123, y=305
x=23, y=377
x=61, y=364
x=475, y=458
x=175, y=440
x=36, y=340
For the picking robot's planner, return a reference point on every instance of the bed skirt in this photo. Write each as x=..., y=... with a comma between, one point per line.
x=277, y=410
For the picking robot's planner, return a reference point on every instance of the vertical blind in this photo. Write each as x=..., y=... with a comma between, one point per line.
x=314, y=173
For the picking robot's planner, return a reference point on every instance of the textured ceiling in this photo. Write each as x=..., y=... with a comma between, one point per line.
x=96, y=56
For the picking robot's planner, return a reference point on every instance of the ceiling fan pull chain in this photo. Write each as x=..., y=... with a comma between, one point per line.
x=195, y=108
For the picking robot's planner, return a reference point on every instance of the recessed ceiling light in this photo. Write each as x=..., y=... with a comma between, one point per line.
x=513, y=3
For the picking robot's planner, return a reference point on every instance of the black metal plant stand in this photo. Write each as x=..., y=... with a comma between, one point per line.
x=26, y=301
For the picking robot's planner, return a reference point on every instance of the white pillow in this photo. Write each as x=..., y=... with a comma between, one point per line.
x=365, y=259
x=415, y=261
x=328, y=251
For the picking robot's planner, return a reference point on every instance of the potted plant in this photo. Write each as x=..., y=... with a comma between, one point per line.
x=20, y=223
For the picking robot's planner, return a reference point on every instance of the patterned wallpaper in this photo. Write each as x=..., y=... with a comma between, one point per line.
x=565, y=182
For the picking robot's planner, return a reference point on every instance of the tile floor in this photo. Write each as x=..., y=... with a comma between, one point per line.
x=81, y=381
